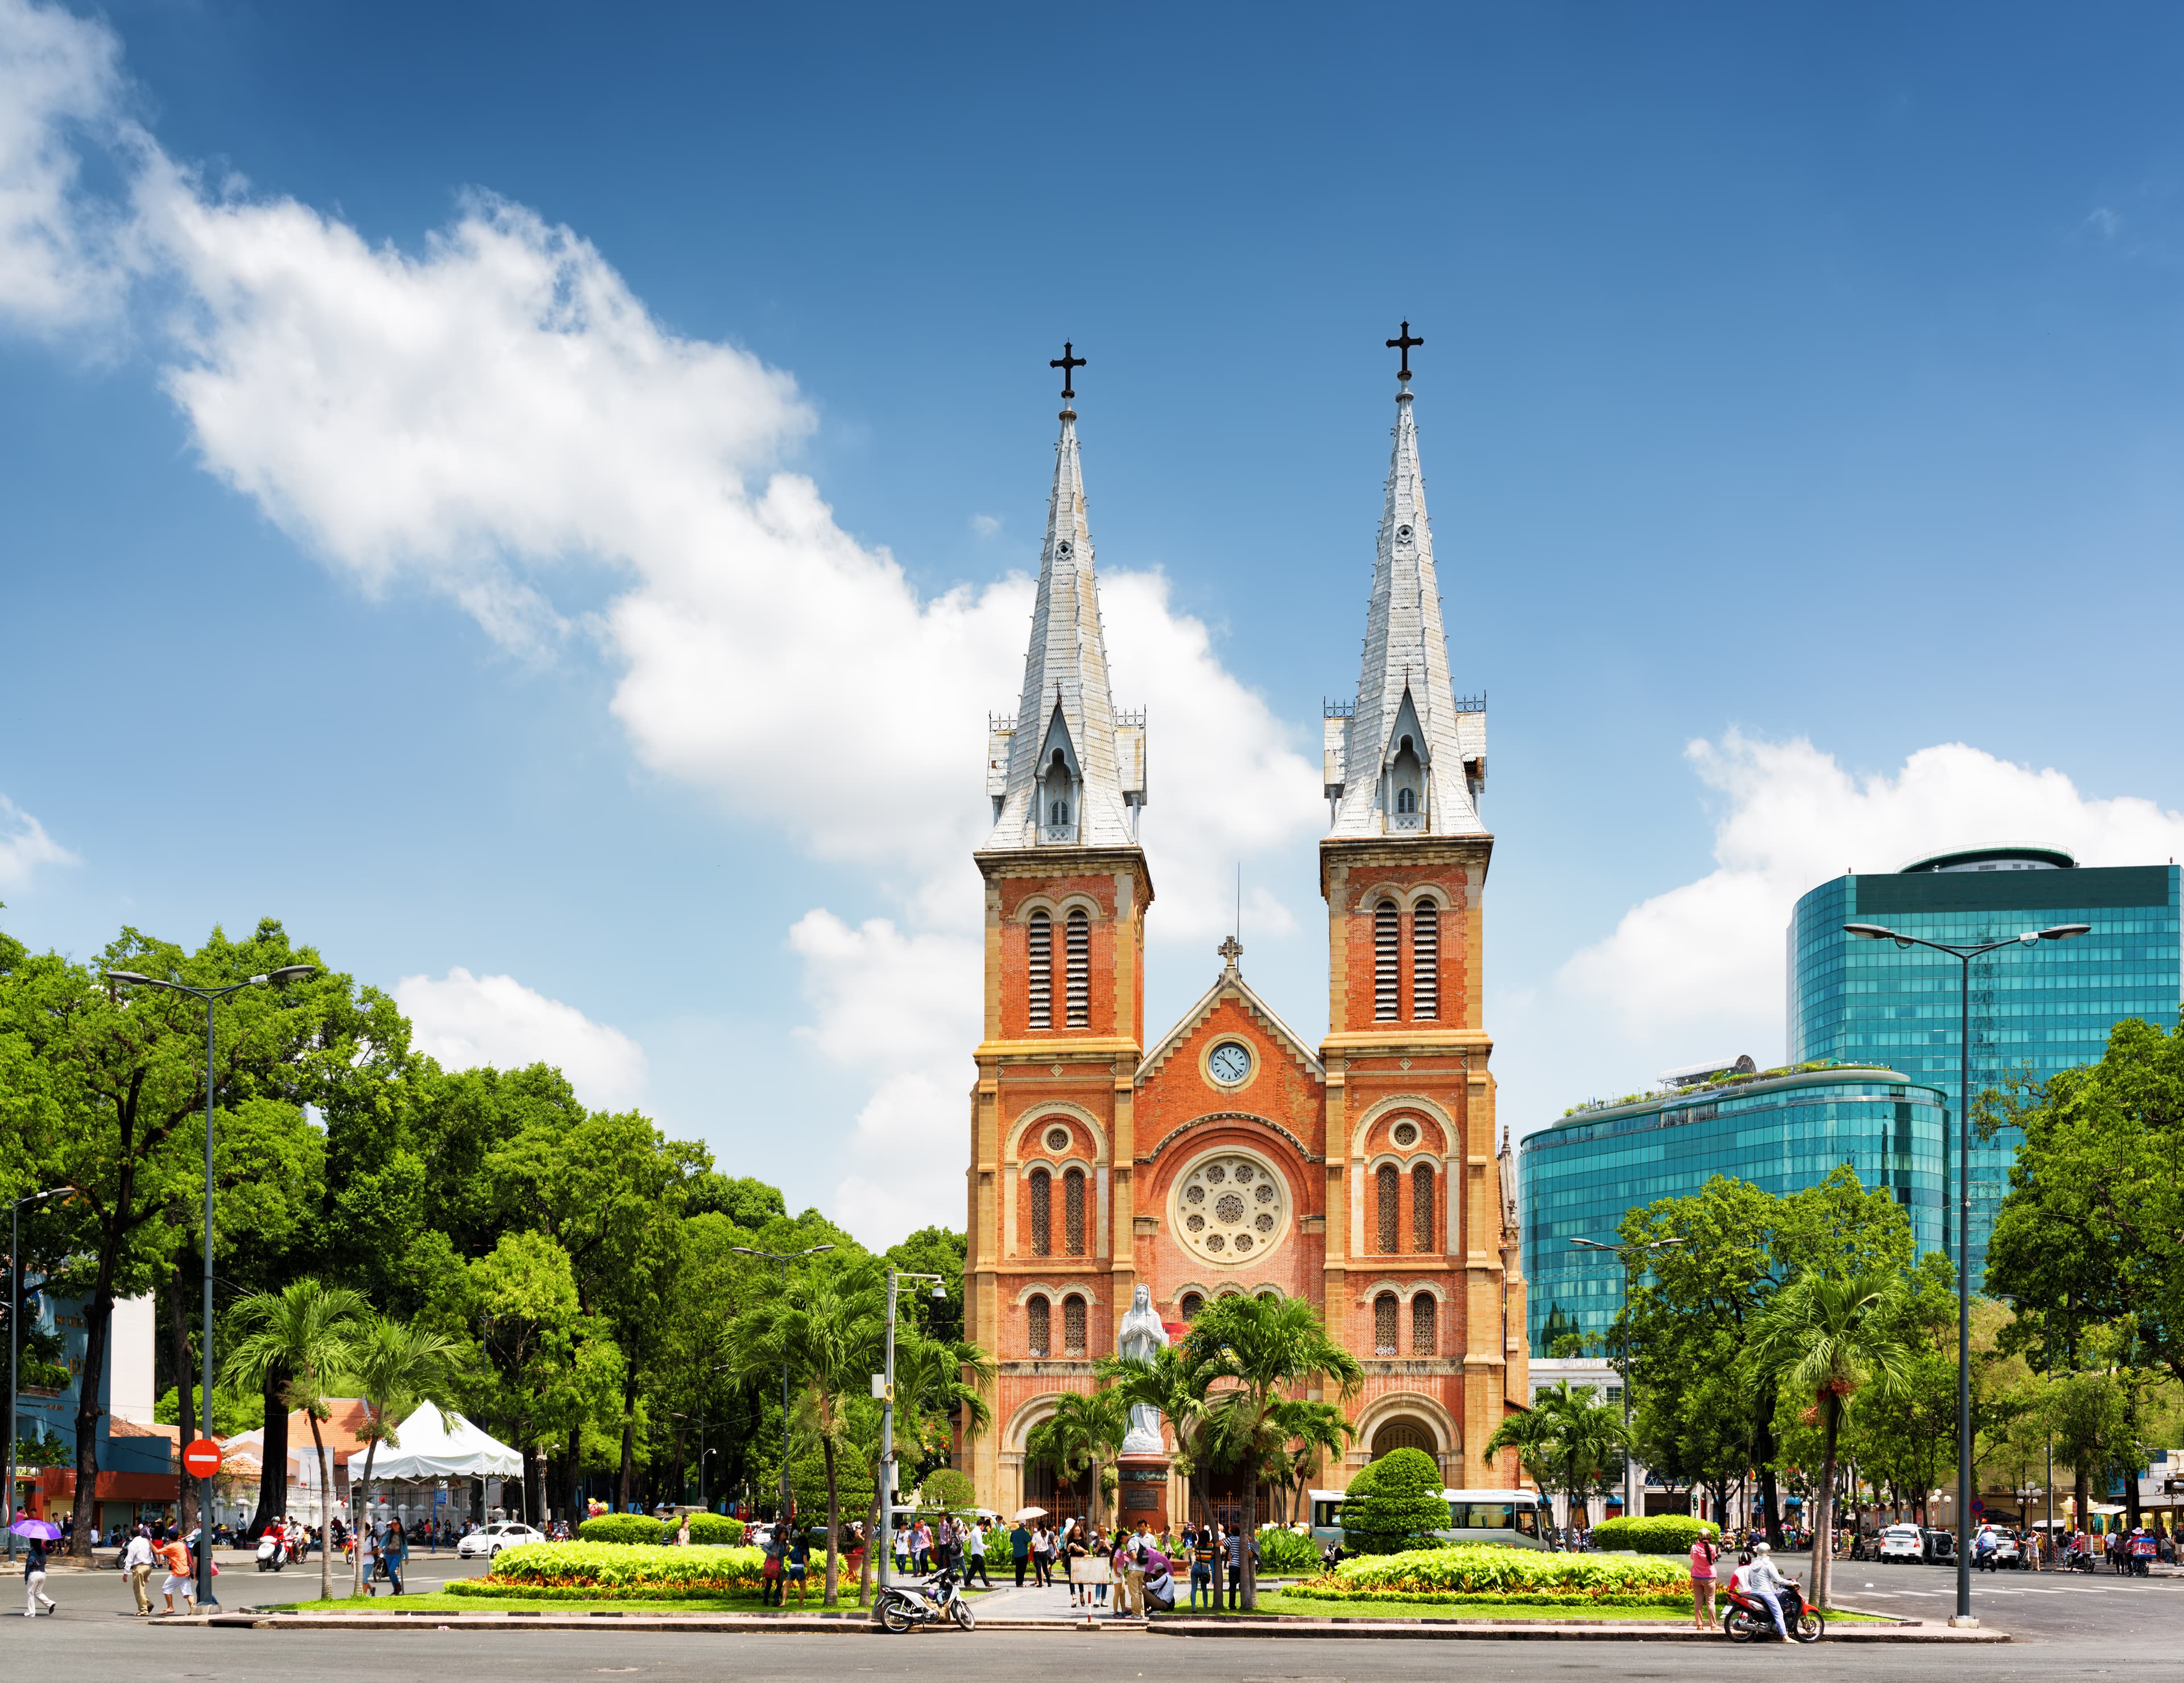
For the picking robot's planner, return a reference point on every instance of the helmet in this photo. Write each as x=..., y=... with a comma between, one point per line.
x=1763, y=1548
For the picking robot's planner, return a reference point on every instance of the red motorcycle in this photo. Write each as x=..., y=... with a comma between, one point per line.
x=1746, y=1618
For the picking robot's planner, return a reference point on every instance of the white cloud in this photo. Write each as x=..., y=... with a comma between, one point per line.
x=25, y=846
x=490, y=415
x=1700, y=965
x=985, y=526
x=465, y=1021
x=2105, y=222
x=60, y=264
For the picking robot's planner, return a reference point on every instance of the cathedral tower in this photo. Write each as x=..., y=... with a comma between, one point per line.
x=1049, y=1271
x=1419, y=1257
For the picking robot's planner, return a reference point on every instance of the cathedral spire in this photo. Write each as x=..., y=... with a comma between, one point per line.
x=1069, y=771
x=1408, y=759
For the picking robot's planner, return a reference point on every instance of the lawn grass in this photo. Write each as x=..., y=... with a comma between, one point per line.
x=1274, y=1601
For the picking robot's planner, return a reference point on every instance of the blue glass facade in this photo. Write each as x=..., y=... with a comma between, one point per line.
x=1782, y=1133
x=2042, y=1008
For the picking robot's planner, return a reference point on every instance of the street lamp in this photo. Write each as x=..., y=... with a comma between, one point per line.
x=1631, y=1500
x=784, y=1259
x=884, y=1388
x=700, y=1420
x=15, y=1330
x=1964, y=956
x=211, y=996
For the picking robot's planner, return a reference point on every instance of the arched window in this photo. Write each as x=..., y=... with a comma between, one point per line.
x=1384, y=1325
x=1407, y=800
x=1072, y=1326
x=1079, y=979
x=1425, y=960
x=1041, y=945
x=1387, y=1188
x=1073, y=1211
x=1422, y=1211
x=1058, y=814
x=1387, y=946
x=1191, y=1304
x=1036, y=1324
x=1042, y=1214
x=1424, y=1333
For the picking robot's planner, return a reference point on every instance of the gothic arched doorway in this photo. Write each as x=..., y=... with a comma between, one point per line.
x=1405, y=1431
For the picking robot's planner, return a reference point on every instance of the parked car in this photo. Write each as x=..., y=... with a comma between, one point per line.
x=1941, y=1547
x=489, y=1540
x=1902, y=1544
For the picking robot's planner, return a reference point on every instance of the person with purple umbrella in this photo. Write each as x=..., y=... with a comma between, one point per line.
x=40, y=1532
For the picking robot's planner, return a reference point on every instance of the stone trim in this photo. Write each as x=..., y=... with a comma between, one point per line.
x=1177, y=1133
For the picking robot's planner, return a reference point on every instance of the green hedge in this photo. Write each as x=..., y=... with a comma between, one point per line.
x=716, y=1529
x=1394, y=1504
x=1285, y=1553
x=1655, y=1534
x=1474, y=1572
x=620, y=1528
x=578, y=1592
x=592, y=1565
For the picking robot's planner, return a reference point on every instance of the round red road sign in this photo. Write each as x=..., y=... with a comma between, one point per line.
x=200, y=1460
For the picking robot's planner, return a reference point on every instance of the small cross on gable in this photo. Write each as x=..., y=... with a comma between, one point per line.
x=1230, y=951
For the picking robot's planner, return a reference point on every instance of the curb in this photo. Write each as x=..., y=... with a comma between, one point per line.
x=1538, y=1630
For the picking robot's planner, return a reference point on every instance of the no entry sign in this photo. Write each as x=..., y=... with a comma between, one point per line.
x=200, y=1460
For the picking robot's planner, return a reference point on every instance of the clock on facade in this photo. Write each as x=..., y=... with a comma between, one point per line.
x=1229, y=1063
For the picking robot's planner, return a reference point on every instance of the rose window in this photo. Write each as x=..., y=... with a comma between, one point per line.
x=1228, y=1207
x=1057, y=1139
x=1406, y=1133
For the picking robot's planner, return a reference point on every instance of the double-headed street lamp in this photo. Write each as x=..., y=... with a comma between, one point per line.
x=784, y=1259
x=1964, y=956
x=884, y=1388
x=211, y=996
x=1624, y=1254
x=15, y=1331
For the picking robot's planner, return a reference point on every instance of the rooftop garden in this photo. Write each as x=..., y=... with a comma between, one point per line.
x=1715, y=1084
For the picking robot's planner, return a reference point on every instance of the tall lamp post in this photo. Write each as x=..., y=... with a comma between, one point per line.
x=884, y=1388
x=15, y=1331
x=784, y=1259
x=1626, y=1254
x=211, y=996
x=1964, y=956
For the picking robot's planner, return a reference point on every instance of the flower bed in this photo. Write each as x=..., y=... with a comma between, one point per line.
x=622, y=1571
x=1483, y=1572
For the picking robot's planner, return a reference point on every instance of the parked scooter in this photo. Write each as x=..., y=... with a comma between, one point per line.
x=905, y=1606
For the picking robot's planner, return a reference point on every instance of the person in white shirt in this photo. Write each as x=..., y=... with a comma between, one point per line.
x=1758, y=1578
x=138, y=1561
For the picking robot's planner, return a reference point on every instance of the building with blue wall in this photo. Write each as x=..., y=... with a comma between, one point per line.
x=1781, y=1130
x=2035, y=1009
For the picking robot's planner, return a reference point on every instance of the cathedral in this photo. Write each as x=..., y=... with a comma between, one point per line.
x=1225, y=1155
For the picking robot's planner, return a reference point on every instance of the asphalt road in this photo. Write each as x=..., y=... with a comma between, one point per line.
x=2088, y=1626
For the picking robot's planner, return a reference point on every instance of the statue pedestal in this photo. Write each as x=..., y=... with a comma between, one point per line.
x=1142, y=1492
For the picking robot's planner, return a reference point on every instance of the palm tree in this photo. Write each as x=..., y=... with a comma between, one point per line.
x=1080, y=1438
x=307, y=1332
x=1531, y=1433
x=1566, y=1441
x=1317, y=1429
x=935, y=1381
x=1255, y=1350
x=1825, y=1337
x=1175, y=1383
x=829, y=1326
x=398, y=1368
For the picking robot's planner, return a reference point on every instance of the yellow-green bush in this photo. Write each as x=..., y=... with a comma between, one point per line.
x=1654, y=1534
x=1484, y=1572
x=620, y=1528
x=620, y=1567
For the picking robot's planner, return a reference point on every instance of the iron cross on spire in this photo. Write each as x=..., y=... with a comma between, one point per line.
x=1067, y=362
x=1405, y=344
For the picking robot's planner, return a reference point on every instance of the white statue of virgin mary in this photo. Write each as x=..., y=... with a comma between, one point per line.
x=1139, y=1335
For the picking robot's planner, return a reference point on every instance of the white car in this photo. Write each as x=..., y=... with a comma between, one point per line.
x=1901, y=1543
x=489, y=1540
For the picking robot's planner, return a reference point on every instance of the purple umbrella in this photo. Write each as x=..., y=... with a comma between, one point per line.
x=44, y=1529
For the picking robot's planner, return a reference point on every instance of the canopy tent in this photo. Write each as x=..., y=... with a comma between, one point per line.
x=425, y=1449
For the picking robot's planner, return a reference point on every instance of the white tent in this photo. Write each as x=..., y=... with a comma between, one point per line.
x=427, y=1450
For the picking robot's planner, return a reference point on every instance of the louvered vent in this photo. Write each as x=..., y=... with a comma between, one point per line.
x=1425, y=962
x=1387, y=950
x=1080, y=971
x=1042, y=970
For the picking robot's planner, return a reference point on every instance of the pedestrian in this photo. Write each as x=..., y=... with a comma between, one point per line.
x=1020, y=1548
x=1073, y=1550
x=1097, y=1549
x=1118, y=1567
x=139, y=1561
x=1042, y=1557
x=799, y=1566
x=393, y=1553
x=1202, y=1556
x=1704, y=1556
x=771, y=1589
x=921, y=1543
x=177, y=1580
x=33, y=1579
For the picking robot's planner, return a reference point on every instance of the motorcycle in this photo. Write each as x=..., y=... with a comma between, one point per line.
x=272, y=1556
x=1746, y=1618
x=903, y=1606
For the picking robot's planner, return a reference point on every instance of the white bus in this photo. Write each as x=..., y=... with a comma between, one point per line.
x=1516, y=1518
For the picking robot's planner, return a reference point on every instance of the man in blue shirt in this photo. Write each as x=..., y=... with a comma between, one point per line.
x=1020, y=1547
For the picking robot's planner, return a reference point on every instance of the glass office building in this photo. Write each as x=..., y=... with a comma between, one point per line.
x=1781, y=1132
x=2038, y=1008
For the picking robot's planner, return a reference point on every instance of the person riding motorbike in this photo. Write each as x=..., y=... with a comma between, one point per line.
x=1758, y=1578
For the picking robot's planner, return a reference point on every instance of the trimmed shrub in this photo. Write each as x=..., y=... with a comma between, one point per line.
x=1395, y=1504
x=620, y=1528
x=1655, y=1534
x=1287, y=1554
x=1488, y=1572
x=945, y=1487
x=619, y=1568
x=716, y=1529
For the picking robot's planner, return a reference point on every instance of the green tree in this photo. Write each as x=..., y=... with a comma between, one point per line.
x=397, y=1369
x=1175, y=1382
x=1080, y=1441
x=1394, y=1504
x=1823, y=1337
x=1318, y=1432
x=1566, y=1441
x=306, y=1333
x=1254, y=1351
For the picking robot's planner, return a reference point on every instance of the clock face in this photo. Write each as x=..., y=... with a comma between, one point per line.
x=1229, y=1064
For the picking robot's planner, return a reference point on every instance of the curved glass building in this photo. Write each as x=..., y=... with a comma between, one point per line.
x=2037, y=1009
x=1782, y=1132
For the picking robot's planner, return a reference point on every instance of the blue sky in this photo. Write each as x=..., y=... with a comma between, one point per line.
x=536, y=498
